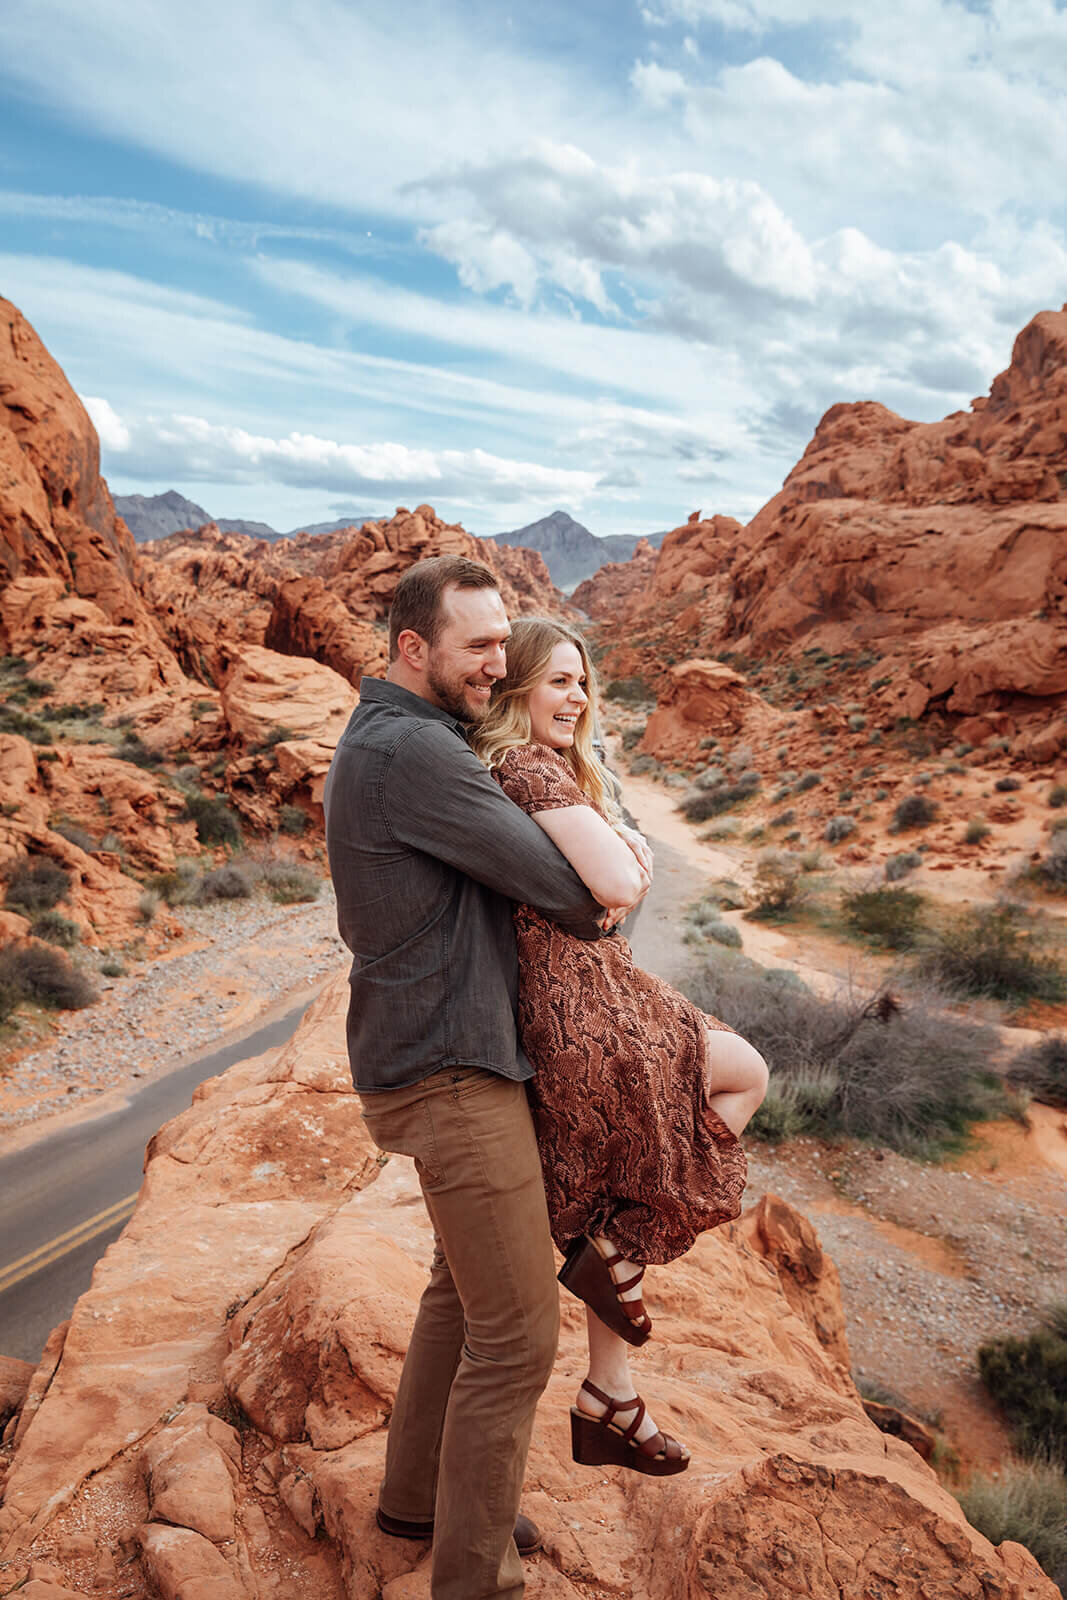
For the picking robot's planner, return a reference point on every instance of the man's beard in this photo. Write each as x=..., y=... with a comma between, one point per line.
x=450, y=698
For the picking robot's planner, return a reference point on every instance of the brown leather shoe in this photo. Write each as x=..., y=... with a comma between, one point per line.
x=527, y=1534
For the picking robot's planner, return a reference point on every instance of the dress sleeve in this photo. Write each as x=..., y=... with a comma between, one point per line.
x=539, y=779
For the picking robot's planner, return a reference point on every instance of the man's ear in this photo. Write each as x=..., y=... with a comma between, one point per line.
x=412, y=649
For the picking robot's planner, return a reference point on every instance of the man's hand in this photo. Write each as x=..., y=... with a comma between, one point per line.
x=638, y=844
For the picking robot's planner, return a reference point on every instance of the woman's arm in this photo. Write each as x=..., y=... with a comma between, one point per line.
x=606, y=864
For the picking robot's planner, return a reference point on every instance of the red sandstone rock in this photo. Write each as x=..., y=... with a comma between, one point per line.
x=702, y=698
x=613, y=589
x=272, y=1252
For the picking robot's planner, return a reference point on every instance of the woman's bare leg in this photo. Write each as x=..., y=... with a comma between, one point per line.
x=736, y=1075
x=609, y=1370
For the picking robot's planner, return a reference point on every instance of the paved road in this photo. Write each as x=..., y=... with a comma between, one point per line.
x=67, y=1197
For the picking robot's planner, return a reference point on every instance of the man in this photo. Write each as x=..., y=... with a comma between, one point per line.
x=426, y=855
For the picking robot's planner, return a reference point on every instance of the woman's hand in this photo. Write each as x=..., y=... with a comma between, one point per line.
x=616, y=914
x=638, y=844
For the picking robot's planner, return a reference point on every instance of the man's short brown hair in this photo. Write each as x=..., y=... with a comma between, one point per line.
x=417, y=600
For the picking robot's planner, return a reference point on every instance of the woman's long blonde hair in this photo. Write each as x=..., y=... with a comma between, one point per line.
x=507, y=722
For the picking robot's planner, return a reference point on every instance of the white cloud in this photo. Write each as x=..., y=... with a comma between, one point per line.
x=112, y=431
x=192, y=448
x=657, y=86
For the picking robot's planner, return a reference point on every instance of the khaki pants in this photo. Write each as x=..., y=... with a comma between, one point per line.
x=484, y=1340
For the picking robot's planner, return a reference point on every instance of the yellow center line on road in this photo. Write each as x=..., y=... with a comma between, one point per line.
x=64, y=1243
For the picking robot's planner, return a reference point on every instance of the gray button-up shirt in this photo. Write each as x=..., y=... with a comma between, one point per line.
x=427, y=853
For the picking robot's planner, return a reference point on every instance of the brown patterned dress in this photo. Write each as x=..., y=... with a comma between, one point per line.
x=629, y=1144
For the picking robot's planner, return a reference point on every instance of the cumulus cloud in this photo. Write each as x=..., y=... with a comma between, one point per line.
x=188, y=448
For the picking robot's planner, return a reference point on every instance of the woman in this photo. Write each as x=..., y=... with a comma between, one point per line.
x=638, y=1097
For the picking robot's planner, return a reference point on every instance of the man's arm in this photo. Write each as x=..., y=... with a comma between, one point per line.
x=439, y=798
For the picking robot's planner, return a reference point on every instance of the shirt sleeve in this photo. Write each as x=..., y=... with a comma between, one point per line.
x=438, y=797
x=538, y=779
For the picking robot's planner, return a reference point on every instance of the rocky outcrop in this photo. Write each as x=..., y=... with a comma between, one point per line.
x=939, y=548
x=215, y=1409
x=614, y=588
x=309, y=620
x=703, y=698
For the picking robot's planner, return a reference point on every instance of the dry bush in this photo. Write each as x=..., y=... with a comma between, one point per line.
x=888, y=917
x=38, y=972
x=911, y=1075
x=36, y=885
x=992, y=951
x=1027, y=1503
x=1042, y=1070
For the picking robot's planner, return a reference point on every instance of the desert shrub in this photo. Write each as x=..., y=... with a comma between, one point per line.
x=709, y=777
x=914, y=811
x=37, y=972
x=722, y=797
x=888, y=917
x=112, y=968
x=134, y=749
x=838, y=828
x=279, y=734
x=642, y=765
x=147, y=905
x=1007, y=785
x=844, y=796
x=857, y=722
x=1057, y=795
x=976, y=832
x=1027, y=1503
x=777, y=885
x=1042, y=1069
x=288, y=883
x=215, y=822
x=724, y=933
x=989, y=951
x=292, y=820
x=178, y=887
x=631, y=737
x=55, y=928
x=1028, y=1380
x=1051, y=870
x=631, y=691
x=36, y=885
x=909, y=1076
x=784, y=819
x=12, y=720
x=224, y=883
x=808, y=780
x=74, y=834
x=899, y=866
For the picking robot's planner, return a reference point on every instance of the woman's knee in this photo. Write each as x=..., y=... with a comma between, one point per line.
x=737, y=1066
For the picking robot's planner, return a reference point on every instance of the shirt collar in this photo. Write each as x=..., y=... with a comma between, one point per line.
x=413, y=705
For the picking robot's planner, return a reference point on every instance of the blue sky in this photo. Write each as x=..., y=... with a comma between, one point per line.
x=309, y=261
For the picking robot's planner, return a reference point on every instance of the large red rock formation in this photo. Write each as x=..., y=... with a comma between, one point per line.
x=211, y=1421
x=617, y=584
x=939, y=547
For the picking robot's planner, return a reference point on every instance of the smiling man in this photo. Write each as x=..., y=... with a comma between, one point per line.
x=427, y=854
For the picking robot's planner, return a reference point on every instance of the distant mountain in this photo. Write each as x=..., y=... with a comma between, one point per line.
x=571, y=552
x=154, y=516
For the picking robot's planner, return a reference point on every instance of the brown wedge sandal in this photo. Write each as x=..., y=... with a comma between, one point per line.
x=602, y=1442
x=587, y=1273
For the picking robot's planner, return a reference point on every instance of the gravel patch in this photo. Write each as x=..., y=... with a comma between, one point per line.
x=238, y=959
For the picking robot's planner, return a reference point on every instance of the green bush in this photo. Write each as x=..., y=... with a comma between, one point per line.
x=1051, y=870
x=37, y=972
x=1042, y=1069
x=1028, y=1380
x=989, y=951
x=289, y=884
x=292, y=820
x=899, y=866
x=279, y=734
x=112, y=968
x=224, y=883
x=56, y=929
x=1007, y=785
x=777, y=886
x=976, y=832
x=838, y=828
x=36, y=884
x=12, y=720
x=808, y=780
x=712, y=802
x=724, y=933
x=215, y=822
x=177, y=887
x=631, y=691
x=1057, y=795
x=914, y=811
x=910, y=1076
x=1027, y=1503
x=134, y=749
x=889, y=917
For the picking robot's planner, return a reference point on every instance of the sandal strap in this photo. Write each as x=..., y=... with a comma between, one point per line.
x=631, y=1283
x=639, y=1417
x=598, y=1394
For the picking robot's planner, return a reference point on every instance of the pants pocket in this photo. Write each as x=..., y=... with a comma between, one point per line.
x=407, y=1131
